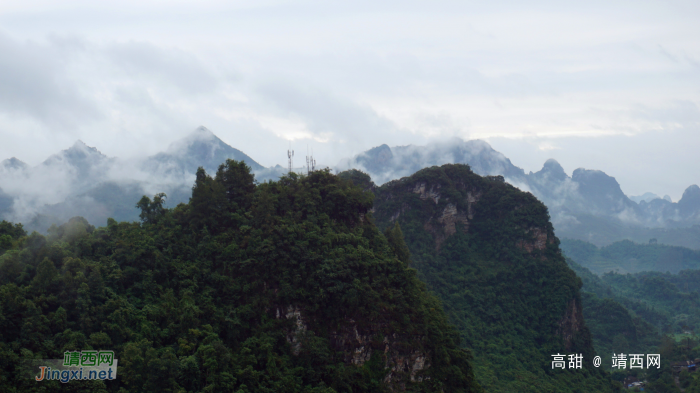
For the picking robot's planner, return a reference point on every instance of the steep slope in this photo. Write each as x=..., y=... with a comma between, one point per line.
x=647, y=312
x=618, y=323
x=489, y=252
x=82, y=181
x=588, y=205
x=200, y=148
x=80, y=166
x=5, y=203
x=13, y=164
x=689, y=204
x=278, y=287
x=386, y=163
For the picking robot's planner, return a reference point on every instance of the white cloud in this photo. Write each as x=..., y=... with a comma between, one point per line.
x=594, y=84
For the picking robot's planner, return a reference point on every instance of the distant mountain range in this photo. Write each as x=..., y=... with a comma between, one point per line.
x=81, y=181
x=588, y=205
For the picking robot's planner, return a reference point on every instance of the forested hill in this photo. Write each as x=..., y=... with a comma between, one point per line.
x=629, y=257
x=647, y=312
x=489, y=252
x=278, y=287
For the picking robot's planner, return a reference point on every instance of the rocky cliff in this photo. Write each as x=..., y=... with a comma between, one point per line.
x=489, y=252
x=282, y=286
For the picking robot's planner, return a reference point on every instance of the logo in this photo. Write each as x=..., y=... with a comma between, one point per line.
x=78, y=365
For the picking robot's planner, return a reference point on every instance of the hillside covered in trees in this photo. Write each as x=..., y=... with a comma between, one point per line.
x=488, y=251
x=646, y=312
x=284, y=286
x=627, y=256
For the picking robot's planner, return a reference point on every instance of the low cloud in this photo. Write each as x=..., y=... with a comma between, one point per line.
x=591, y=85
x=35, y=85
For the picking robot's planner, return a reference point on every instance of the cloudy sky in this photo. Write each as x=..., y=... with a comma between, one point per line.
x=602, y=85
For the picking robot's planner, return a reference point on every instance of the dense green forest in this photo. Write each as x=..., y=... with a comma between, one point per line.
x=669, y=302
x=488, y=252
x=646, y=312
x=315, y=284
x=284, y=286
x=628, y=257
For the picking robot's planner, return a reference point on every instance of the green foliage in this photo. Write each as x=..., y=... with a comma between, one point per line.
x=628, y=257
x=358, y=178
x=505, y=288
x=153, y=210
x=396, y=241
x=248, y=288
x=9, y=234
x=15, y=231
x=646, y=312
x=669, y=303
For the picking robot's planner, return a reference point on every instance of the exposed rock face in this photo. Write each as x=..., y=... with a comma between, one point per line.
x=472, y=198
x=294, y=337
x=539, y=240
x=443, y=225
x=571, y=323
x=432, y=193
x=450, y=216
x=495, y=262
x=403, y=355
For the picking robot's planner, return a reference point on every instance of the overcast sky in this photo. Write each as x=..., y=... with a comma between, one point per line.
x=602, y=85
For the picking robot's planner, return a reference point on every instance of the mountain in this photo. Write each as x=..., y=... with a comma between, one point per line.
x=81, y=181
x=386, y=163
x=200, y=148
x=80, y=157
x=13, y=164
x=647, y=197
x=689, y=204
x=643, y=312
x=588, y=205
x=5, y=203
x=489, y=252
x=80, y=166
x=625, y=257
x=274, y=287
x=603, y=193
x=618, y=323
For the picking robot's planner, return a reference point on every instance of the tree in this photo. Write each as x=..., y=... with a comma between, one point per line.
x=397, y=243
x=238, y=183
x=151, y=211
x=208, y=201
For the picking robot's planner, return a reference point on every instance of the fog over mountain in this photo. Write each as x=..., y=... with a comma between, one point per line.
x=81, y=181
x=592, y=84
x=584, y=205
x=648, y=197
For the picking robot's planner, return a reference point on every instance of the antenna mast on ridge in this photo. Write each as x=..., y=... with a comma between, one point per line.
x=290, y=154
x=313, y=162
x=310, y=162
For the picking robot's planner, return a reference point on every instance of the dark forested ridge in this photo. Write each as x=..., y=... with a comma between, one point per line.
x=629, y=257
x=285, y=286
x=489, y=253
x=645, y=312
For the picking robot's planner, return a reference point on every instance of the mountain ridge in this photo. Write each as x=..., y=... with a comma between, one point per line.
x=583, y=205
x=587, y=197
x=479, y=241
x=85, y=182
